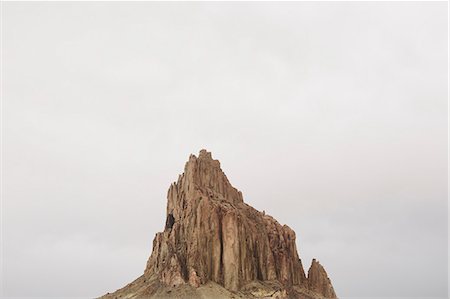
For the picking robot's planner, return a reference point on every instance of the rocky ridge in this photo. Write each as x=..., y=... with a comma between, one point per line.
x=216, y=246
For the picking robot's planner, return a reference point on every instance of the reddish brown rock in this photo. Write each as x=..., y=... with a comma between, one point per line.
x=318, y=280
x=211, y=235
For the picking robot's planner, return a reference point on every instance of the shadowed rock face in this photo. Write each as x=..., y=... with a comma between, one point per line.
x=211, y=235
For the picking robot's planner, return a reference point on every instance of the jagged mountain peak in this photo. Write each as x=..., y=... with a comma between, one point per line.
x=212, y=238
x=204, y=174
x=318, y=280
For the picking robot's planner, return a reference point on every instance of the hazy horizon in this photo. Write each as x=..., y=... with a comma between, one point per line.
x=330, y=116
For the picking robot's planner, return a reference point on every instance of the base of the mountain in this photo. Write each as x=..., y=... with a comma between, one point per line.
x=143, y=288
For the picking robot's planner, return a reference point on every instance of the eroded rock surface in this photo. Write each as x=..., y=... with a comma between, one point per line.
x=318, y=280
x=212, y=236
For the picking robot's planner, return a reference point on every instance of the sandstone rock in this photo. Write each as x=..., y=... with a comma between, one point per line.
x=211, y=235
x=318, y=280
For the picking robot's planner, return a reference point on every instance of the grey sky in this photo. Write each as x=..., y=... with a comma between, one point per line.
x=332, y=117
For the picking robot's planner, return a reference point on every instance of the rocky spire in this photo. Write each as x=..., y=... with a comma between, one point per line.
x=211, y=235
x=318, y=280
x=202, y=176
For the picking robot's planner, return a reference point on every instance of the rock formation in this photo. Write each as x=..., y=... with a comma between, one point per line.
x=216, y=246
x=318, y=280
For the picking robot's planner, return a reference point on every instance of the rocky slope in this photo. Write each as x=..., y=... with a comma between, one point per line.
x=216, y=246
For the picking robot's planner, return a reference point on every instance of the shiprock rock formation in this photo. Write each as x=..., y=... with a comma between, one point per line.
x=216, y=246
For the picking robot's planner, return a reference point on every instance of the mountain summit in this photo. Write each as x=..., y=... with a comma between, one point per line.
x=216, y=246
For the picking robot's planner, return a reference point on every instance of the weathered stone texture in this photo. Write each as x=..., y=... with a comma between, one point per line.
x=212, y=235
x=318, y=280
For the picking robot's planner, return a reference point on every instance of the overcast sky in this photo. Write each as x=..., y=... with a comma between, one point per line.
x=332, y=117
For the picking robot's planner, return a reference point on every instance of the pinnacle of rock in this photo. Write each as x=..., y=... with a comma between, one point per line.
x=212, y=237
x=318, y=280
x=204, y=175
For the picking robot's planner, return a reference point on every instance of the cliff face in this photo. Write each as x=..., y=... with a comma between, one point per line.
x=212, y=236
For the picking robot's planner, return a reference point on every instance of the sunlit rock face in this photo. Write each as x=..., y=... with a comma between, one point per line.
x=212, y=237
